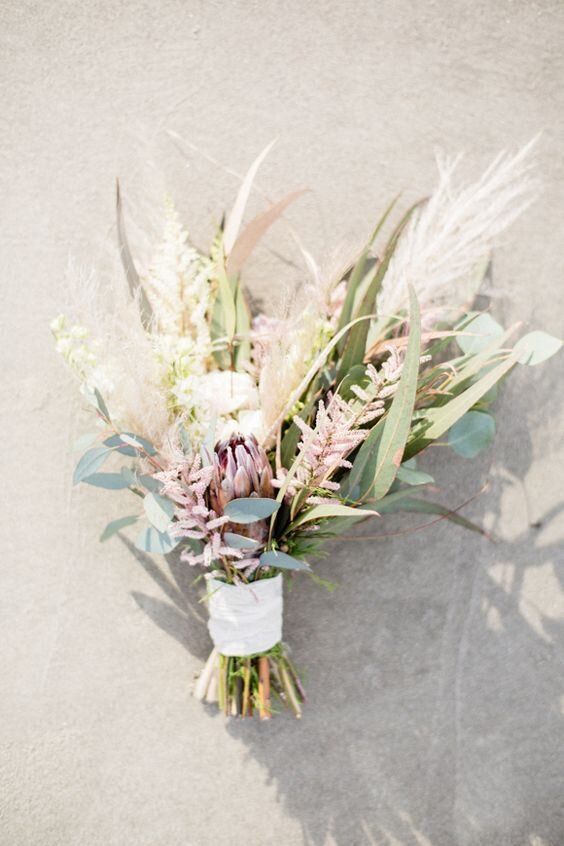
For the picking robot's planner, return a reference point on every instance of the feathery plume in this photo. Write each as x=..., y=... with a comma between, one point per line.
x=452, y=233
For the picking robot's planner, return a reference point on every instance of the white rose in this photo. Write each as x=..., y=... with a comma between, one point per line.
x=225, y=392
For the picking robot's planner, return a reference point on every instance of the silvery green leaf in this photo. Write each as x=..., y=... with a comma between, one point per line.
x=90, y=462
x=240, y=542
x=159, y=510
x=250, y=509
x=482, y=330
x=129, y=476
x=127, y=448
x=150, y=483
x=116, y=526
x=110, y=481
x=283, y=561
x=412, y=476
x=94, y=397
x=151, y=540
x=472, y=433
x=536, y=347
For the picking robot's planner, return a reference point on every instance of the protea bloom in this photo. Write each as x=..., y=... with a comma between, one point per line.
x=241, y=469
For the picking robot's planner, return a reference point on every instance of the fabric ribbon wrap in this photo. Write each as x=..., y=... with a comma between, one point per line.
x=245, y=619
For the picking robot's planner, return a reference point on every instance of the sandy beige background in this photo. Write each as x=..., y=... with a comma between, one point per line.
x=435, y=671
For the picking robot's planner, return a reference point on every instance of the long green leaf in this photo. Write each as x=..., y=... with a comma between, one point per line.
x=355, y=346
x=243, y=329
x=322, y=512
x=379, y=457
x=360, y=268
x=446, y=416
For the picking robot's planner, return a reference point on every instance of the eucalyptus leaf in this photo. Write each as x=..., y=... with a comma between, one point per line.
x=150, y=483
x=151, y=540
x=250, y=509
x=472, y=433
x=116, y=526
x=536, y=347
x=411, y=476
x=95, y=398
x=110, y=481
x=129, y=476
x=90, y=462
x=127, y=448
x=239, y=541
x=159, y=510
x=282, y=561
x=482, y=331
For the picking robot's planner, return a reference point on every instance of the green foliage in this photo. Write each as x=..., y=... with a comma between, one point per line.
x=90, y=462
x=536, y=347
x=482, y=331
x=472, y=433
x=151, y=540
x=126, y=443
x=250, y=509
x=283, y=561
x=159, y=511
x=377, y=462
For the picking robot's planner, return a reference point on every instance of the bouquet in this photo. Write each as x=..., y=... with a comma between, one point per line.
x=250, y=440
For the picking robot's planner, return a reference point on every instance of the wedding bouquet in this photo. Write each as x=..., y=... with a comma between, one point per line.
x=249, y=441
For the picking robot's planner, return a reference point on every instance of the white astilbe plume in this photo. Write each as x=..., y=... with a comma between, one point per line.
x=178, y=286
x=452, y=233
x=322, y=450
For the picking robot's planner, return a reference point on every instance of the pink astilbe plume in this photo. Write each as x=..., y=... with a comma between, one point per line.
x=323, y=449
x=186, y=481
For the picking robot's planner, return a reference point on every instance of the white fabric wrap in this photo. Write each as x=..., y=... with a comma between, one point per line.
x=245, y=619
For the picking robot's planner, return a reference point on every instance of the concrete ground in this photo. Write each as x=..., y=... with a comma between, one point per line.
x=435, y=671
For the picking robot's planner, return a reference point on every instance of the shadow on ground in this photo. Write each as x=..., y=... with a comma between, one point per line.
x=435, y=715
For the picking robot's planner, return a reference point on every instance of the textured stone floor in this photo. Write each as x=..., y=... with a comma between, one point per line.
x=436, y=670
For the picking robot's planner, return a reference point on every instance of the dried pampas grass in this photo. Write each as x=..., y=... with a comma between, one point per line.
x=449, y=236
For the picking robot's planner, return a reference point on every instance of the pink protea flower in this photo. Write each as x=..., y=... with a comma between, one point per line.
x=240, y=469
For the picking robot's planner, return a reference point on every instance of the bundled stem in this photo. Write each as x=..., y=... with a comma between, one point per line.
x=243, y=684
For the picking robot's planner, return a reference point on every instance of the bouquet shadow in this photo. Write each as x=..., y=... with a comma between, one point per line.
x=431, y=679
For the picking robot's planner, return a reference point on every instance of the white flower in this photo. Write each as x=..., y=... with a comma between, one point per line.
x=224, y=392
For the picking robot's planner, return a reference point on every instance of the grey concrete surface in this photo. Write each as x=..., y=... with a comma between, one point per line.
x=435, y=671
